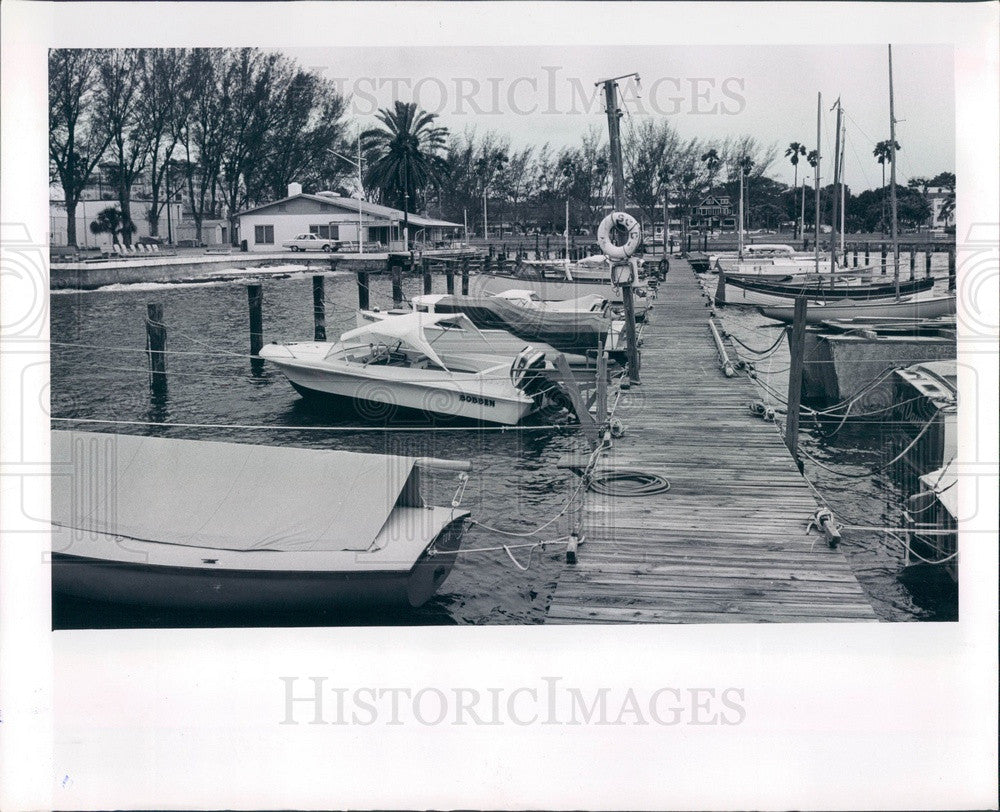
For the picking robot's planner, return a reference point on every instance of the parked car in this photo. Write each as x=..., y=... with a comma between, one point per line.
x=311, y=242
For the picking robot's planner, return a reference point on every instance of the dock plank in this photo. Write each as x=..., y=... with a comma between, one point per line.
x=728, y=542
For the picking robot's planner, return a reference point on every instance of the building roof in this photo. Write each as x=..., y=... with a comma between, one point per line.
x=352, y=204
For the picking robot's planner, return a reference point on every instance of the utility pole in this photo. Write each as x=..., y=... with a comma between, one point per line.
x=819, y=147
x=836, y=194
x=618, y=186
x=892, y=181
x=740, y=241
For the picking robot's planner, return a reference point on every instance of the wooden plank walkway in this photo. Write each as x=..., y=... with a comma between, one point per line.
x=727, y=543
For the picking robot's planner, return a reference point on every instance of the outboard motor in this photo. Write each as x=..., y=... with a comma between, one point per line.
x=527, y=371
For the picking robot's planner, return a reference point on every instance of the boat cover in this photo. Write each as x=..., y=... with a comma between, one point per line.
x=408, y=328
x=226, y=496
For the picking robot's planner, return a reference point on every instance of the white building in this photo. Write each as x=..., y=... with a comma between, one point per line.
x=339, y=218
x=936, y=197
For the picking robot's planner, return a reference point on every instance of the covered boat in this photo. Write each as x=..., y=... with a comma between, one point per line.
x=575, y=326
x=853, y=289
x=394, y=363
x=185, y=523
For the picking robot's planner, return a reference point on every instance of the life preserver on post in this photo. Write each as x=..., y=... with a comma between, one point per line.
x=626, y=221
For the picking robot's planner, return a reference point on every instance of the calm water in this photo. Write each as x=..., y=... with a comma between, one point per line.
x=515, y=484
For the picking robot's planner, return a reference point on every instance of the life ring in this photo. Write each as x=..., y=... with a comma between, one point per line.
x=626, y=221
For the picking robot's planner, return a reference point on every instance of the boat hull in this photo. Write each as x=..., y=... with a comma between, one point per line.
x=553, y=290
x=859, y=291
x=148, y=583
x=911, y=309
x=380, y=398
x=838, y=367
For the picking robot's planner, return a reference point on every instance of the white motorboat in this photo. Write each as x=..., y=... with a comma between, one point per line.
x=590, y=303
x=194, y=524
x=395, y=363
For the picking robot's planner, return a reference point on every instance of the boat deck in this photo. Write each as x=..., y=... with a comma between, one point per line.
x=728, y=542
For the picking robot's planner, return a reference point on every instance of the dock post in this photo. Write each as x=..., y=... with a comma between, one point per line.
x=487, y=262
x=536, y=246
x=867, y=254
x=397, y=284
x=449, y=278
x=882, y=253
x=319, y=309
x=927, y=262
x=363, y=290
x=465, y=276
x=855, y=256
x=798, y=340
x=631, y=339
x=255, y=302
x=547, y=255
x=156, y=345
x=913, y=264
x=425, y=269
x=602, y=386
x=720, y=290
x=951, y=269
x=689, y=244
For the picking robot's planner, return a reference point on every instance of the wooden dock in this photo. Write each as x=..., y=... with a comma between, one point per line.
x=728, y=542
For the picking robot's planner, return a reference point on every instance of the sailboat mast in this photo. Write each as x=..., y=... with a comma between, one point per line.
x=819, y=134
x=843, y=216
x=740, y=251
x=836, y=195
x=892, y=180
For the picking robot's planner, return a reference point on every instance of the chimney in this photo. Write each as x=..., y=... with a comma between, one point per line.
x=294, y=189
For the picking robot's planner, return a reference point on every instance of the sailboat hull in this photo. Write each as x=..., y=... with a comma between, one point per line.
x=826, y=311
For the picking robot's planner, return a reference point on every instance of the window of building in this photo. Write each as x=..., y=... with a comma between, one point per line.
x=327, y=232
x=263, y=235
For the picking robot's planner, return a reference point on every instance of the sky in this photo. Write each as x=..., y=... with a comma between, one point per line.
x=535, y=95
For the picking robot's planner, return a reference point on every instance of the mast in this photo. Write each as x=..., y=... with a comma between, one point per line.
x=819, y=135
x=892, y=181
x=836, y=195
x=566, y=235
x=843, y=217
x=740, y=250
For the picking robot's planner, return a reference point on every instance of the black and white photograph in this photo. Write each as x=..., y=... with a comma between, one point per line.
x=387, y=378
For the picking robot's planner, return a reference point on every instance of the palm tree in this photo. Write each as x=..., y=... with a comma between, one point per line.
x=883, y=154
x=404, y=155
x=795, y=149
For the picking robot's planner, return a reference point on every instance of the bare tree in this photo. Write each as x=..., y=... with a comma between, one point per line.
x=650, y=152
x=77, y=138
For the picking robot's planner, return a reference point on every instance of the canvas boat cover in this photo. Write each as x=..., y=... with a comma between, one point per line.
x=226, y=496
x=408, y=329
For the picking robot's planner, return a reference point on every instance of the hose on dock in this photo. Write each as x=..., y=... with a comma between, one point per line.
x=629, y=483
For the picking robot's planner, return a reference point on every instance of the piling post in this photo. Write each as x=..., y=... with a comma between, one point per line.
x=536, y=246
x=547, y=255
x=487, y=262
x=156, y=346
x=798, y=340
x=397, y=283
x=363, y=290
x=255, y=302
x=855, y=256
x=882, y=253
x=689, y=244
x=465, y=276
x=913, y=264
x=602, y=386
x=319, y=309
x=449, y=278
x=720, y=290
x=867, y=254
x=425, y=268
x=927, y=262
x=951, y=269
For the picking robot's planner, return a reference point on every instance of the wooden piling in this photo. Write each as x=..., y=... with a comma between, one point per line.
x=156, y=346
x=449, y=278
x=319, y=309
x=602, y=386
x=927, y=262
x=720, y=290
x=425, y=269
x=913, y=264
x=882, y=255
x=397, y=284
x=855, y=256
x=798, y=340
x=867, y=254
x=951, y=269
x=255, y=302
x=363, y=291
x=465, y=276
